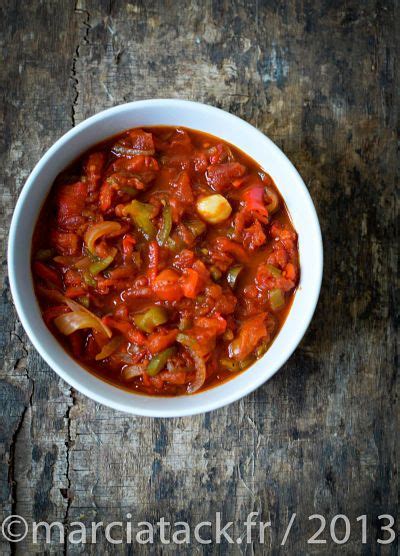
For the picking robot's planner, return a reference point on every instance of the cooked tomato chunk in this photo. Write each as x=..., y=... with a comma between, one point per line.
x=221, y=175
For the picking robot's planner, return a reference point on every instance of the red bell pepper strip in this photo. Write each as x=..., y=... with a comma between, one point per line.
x=48, y=274
x=127, y=329
x=253, y=200
x=52, y=312
x=158, y=341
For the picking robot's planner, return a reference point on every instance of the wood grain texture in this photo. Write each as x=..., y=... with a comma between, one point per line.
x=322, y=436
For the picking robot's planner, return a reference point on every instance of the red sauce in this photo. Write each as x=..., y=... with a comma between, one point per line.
x=165, y=260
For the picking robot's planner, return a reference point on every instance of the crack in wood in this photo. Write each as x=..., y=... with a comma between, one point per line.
x=73, y=73
x=12, y=480
x=69, y=444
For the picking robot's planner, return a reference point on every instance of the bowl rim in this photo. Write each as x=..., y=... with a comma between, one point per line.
x=220, y=400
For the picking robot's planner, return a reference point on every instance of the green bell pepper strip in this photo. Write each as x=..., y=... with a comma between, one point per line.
x=92, y=256
x=230, y=233
x=197, y=227
x=84, y=300
x=159, y=361
x=174, y=243
x=100, y=265
x=44, y=254
x=166, y=226
x=235, y=366
x=185, y=323
x=151, y=318
x=276, y=299
x=88, y=278
x=233, y=274
x=141, y=214
x=261, y=349
x=276, y=273
x=130, y=190
x=186, y=340
x=109, y=348
x=215, y=273
x=230, y=364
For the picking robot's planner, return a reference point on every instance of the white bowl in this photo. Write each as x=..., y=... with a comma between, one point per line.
x=199, y=117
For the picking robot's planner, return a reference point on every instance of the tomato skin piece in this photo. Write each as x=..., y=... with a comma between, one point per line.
x=174, y=377
x=251, y=332
x=287, y=237
x=145, y=166
x=231, y=247
x=72, y=278
x=279, y=257
x=93, y=169
x=216, y=323
x=157, y=382
x=146, y=380
x=290, y=272
x=219, y=154
x=127, y=329
x=200, y=162
x=182, y=189
x=158, y=341
x=221, y=175
x=139, y=139
x=265, y=280
x=65, y=243
x=184, y=259
x=191, y=283
x=70, y=202
x=128, y=243
x=106, y=196
x=254, y=236
x=202, y=270
x=170, y=292
x=73, y=292
x=122, y=272
x=253, y=199
x=166, y=286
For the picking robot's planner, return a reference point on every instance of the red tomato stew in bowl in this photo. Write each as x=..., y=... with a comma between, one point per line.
x=165, y=261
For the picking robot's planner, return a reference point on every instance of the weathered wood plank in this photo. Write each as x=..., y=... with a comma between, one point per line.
x=320, y=437
x=38, y=42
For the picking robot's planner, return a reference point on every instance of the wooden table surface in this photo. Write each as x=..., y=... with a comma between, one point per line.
x=323, y=435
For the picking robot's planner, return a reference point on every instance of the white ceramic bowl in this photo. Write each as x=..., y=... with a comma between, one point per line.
x=173, y=113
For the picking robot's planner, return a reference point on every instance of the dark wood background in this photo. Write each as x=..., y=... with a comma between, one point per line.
x=322, y=436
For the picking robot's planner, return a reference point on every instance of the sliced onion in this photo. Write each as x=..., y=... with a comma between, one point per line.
x=274, y=200
x=101, y=327
x=75, y=320
x=100, y=229
x=56, y=295
x=200, y=371
x=200, y=366
x=109, y=348
x=128, y=152
x=132, y=371
x=125, y=358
